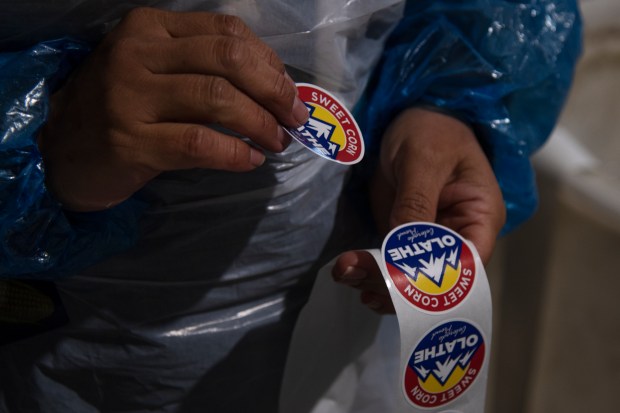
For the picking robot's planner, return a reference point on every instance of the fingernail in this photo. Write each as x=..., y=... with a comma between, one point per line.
x=257, y=158
x=300, y=112
x=354, y=273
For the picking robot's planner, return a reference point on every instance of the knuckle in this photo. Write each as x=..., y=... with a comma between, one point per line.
x=266, y=122
x=268, y=126
x=413, y=206
x=137, y=16
x=283, y=91
x=195, y=142
x=125, y=147
x=238, y=156
x=233, y=53
x=122, y=76
x=233, y=26
x=123, y=51
x=274, y=60
x=215, y=91
x=209, y=151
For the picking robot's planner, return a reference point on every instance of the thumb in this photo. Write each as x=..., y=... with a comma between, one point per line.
x=418, y=185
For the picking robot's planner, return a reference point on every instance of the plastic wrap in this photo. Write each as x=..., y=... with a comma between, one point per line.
x=37, y=238
x=36, y=235
x=197, y=315
x=199, y=311
x=505, y=67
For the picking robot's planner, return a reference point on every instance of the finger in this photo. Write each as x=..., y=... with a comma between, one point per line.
x=233, y=47
x=191, y=24
x=480, y=232
x=197, y=23
x=483, y=239
x=206, y=99
x=382, y=201
x=162, y=23
x=237, y=45
x=418, y=184
x=355, y=265
x=479, y=215
x=237, y=48
x=184, y=24
x=236, y=61
x=172, y=146
x=360, y=266
x=358, y=269
x=381, y=304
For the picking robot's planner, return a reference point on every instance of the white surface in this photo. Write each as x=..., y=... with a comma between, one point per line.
x=584, y=151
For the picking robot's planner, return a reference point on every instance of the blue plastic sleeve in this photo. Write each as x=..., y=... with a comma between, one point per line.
x=504, y=67
x=38, y=239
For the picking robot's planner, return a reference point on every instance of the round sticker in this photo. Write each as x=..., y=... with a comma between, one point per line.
x=444, y=364
x=330, y=132
x=431, y=266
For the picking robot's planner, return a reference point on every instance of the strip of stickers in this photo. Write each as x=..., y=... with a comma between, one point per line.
x=436, y=281
x=442, y=300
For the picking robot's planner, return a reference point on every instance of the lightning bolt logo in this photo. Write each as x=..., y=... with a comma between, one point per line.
x=449, y=356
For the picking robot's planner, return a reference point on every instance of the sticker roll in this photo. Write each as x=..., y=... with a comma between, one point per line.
x=442, y=299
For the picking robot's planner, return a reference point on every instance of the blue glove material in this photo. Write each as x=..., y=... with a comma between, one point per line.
x=38, y=239
x=504, y=67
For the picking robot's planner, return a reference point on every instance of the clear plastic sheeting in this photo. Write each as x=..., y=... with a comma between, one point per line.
x=35, y=234
x=198, y=313
x=38, y=239
x=334, y=41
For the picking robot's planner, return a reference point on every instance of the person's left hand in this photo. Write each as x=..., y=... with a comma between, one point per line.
x=432, y=169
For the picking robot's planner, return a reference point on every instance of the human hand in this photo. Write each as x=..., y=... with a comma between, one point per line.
x=432, y=169
x=139, y=105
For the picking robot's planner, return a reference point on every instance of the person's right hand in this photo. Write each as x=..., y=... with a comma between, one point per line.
x=139, y=105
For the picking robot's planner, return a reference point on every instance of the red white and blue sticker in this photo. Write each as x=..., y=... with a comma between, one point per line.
x=444, y=364
x=431, y=266
x=330, y=132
